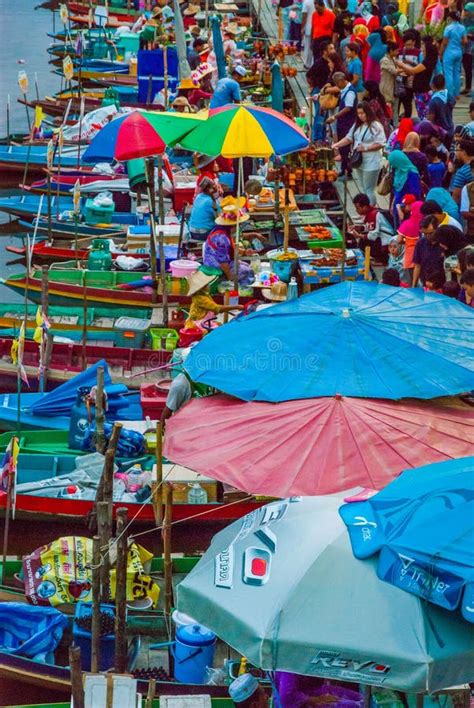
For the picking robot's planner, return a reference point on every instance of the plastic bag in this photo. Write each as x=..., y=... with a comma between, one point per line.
x=30, y=631
x=60, y=572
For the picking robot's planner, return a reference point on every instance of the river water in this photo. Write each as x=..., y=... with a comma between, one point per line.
x=23, y=45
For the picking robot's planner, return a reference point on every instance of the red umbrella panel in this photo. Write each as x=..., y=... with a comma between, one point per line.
x=314, y=446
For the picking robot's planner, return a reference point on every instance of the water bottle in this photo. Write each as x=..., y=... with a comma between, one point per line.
x=196, y=494
x=79, y=421
x=134, y=478
x=292, y=290
x=70, y=492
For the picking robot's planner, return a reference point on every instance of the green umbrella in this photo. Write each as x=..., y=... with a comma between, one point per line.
x=283, y=588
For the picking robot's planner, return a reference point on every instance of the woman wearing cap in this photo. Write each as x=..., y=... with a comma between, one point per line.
x=219, y=248
x=204, y=210
x=246, y=692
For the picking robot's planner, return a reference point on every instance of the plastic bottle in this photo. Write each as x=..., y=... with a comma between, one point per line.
x=196, y=494
x=292, y=290
x=79, y=420
x=134, y=478
x=70, y=492
x=255, y=263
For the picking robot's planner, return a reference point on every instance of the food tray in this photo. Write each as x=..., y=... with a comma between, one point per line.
x=309, y=217
x=336, y=237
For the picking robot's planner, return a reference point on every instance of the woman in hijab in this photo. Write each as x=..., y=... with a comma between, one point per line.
x=443, y=198
x=406, y=179
x=378, y=104
x=411, y=147
x=408, y=234
x=359, y=35
x=371, y=20
x=378, y=48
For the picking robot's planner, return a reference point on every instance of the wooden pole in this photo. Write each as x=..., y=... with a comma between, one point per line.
x=77, y=688
x=8, y=119
x=104, y=528
x=121, y=593
x=166, y=531
x=109, y=699
x=344, y=229
x=286, y=219
x=44, y=290
x=181, y=229
x=367, y=263
x=48, y=182
x=84, y=324
x=100, y=442
x=6, y=526
x=150, y=693
x=226, y=304
x=157, y=486
x=95, y=630
x=165, y=75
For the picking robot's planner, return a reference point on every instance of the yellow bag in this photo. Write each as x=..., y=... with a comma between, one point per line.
x=328, y=101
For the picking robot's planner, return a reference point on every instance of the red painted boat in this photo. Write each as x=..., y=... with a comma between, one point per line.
x=67, y=360
x=47, y=253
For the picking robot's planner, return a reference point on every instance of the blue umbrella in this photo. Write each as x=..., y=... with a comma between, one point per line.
x=218, y=47
x=422, y=524
x=355, y=339
x=277, y=88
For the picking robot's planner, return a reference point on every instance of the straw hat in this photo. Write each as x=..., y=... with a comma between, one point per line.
x=232, y=202
x=277, y=292
x=195, y=31
x=191, y=10
x=202, y=71
x=187, y=83
x=204, y=160
x=182, y=101
x=230, y=215
x=233, y=28
x=199, y=280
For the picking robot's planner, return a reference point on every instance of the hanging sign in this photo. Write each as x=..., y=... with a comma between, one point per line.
x=68, y=68
x=23, y=82
x=63, y=14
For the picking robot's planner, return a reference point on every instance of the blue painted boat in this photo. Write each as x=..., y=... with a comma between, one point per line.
x=50, y=411
x=12, y=156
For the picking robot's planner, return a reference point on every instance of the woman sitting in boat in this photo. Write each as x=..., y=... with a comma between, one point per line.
x=219, y=249
x=203, y=307
x=204, y=210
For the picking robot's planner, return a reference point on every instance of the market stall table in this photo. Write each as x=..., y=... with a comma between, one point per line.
x=314, y=275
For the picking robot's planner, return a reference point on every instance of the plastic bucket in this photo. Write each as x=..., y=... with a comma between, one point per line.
x=183, y=268
x=193, y=652
x=189, y=335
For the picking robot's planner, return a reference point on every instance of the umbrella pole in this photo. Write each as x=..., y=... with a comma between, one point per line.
x=150, y=186
x=286, y=221
x=165, y=74
x=237, y=233
x=161, y=243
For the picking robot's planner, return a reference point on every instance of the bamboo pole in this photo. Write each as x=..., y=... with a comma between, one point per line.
x=166, y=531
x=44, y=290
x=8, y=119
x=157, y=486
x=344, y=229
x=165, y=75
x=95, y=629
x=77, y=688
x=48, y=182
x=109, y=699
x=100, y=442
x=150, y=186
x=84, y=324
x=6, y=526
x=121, y=593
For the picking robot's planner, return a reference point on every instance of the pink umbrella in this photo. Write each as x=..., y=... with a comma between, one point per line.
x=314, y=446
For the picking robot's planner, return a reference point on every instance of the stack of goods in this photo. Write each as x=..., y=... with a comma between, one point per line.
x=307, y=169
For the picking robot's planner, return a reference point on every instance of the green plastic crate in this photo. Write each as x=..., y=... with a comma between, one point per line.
x=163, y=339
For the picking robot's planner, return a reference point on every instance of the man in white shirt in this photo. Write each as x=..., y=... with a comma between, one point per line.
x=306, y=29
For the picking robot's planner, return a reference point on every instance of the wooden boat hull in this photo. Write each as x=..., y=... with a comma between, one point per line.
x=67, y=293
x=67, y=360
x=45, y=253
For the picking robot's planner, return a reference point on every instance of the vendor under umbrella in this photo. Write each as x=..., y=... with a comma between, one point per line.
x=219, y=248
x=204, y=210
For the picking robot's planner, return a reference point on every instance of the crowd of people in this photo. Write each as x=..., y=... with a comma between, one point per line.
x=382, y=90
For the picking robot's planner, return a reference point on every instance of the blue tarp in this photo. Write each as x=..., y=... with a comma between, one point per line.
x=356, y=339
x=422, y=525
x=28, y=631
x=150, y=64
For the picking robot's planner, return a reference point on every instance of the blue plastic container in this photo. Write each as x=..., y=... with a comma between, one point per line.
x=193, y=653
x=79, y=420
x=82, y=638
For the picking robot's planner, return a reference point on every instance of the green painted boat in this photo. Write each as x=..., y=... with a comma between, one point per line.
x=69, y=321
x=40, y=442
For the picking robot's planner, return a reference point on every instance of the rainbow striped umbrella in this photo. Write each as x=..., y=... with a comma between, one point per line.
x=245, y=131
x=140, y=134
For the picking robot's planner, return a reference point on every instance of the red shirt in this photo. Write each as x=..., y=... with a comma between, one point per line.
x=370, y=217
x=323, y=25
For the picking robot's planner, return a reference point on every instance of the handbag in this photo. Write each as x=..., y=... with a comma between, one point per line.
x=355, y=159
x=399, y=90
x=328, y=101
x=385, y=181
